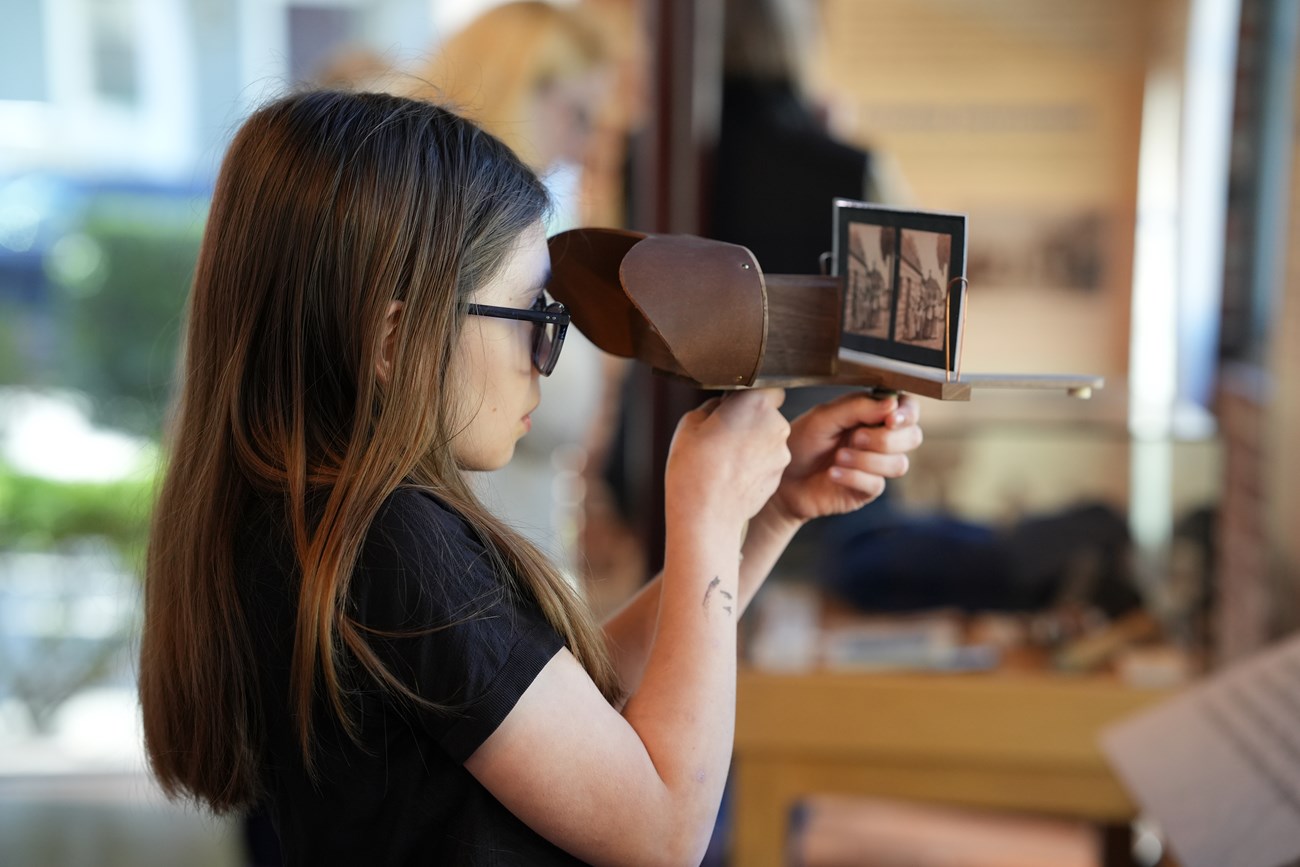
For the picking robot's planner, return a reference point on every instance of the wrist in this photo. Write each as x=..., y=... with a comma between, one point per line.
x=779, y=515
x=709, y=517
x=775, y=522
x=704, y=528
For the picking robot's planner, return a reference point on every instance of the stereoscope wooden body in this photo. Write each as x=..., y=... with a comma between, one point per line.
x=705, y=311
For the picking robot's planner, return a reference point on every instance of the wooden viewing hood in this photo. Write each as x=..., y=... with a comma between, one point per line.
x=704, y=311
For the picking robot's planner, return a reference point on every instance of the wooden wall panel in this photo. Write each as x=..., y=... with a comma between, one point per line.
x=1026, y=115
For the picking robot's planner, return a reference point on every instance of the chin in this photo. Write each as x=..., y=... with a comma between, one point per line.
x=501, y=464
x=486, y=462
x=498, y=461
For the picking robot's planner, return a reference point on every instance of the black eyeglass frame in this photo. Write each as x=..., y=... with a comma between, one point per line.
x=552, y=314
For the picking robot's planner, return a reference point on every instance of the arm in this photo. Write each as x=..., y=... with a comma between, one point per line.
x=876, y=433
x=643, y=786
x=630, y=630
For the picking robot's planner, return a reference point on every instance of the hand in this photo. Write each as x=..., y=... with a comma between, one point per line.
x=842, y=453
x=728, y=455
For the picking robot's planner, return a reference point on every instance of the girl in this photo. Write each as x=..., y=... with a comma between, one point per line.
x=334, y=627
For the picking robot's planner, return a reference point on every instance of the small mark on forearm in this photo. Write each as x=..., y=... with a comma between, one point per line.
x=726, y=608
x=726, y=594
x=708, y=591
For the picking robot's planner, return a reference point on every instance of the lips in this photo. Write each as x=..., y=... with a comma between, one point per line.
x=527, y=420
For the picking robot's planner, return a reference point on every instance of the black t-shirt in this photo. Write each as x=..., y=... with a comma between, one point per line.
x=404, y=797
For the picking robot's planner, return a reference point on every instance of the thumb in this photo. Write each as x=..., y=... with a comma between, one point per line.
x=702, y=412
x=774, y=397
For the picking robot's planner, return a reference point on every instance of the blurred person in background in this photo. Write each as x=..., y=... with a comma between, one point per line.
x=536, y=76
x=769, y=118
x=335, y=625
x=357, y=68
x=539, y=77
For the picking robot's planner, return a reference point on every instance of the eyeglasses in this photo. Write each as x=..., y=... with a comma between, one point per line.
x=550, y=323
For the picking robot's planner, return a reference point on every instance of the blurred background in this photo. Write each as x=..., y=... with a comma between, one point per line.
x=1128, y=171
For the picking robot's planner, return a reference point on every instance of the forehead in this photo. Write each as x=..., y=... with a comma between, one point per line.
x=524, y=272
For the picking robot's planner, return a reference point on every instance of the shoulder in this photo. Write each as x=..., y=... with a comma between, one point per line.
x=421, y=558
x=409, y=504
x=439, y=612
x=414, y=522
x=418, y=518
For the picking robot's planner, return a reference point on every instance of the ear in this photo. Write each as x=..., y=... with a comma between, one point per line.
x=388, y=342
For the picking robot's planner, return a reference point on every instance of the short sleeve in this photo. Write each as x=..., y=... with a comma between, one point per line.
x=441, y=617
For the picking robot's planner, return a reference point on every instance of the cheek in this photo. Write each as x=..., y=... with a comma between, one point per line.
x=488, y=392
x=466, y=378
x=467, y=384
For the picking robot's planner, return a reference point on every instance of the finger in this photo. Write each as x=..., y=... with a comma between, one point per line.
x=776, y=396
x=884, y=439
x=908, y=412
x=698, y=416
x=891, y=466
x=772, y=397
x=707, y=408
x=751, y=404
x=855, y=410
x=856, y=480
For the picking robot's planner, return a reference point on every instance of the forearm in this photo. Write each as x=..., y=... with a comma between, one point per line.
x=769, y=535
x=630, y=631
x=683, y=707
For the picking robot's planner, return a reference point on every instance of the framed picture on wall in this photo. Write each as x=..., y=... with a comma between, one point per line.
x=903, y=272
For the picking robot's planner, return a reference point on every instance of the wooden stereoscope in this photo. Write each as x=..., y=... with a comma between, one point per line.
x=704, y=311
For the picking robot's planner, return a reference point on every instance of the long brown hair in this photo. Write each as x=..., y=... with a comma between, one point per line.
x=329, y=206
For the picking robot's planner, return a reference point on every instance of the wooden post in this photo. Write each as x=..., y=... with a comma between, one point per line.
x=671, y=178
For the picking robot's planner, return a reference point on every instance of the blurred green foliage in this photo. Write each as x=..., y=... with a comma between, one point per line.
x=103, y=320
x=121, y=287
x=39, y=514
